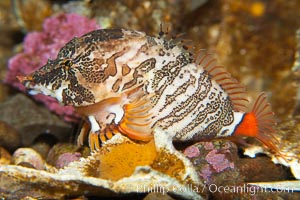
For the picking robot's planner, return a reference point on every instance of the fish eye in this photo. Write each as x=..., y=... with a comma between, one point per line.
x=68, y=63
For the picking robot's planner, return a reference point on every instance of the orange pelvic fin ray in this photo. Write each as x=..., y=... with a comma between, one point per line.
x=83, y=133
x=109, y=133
x=96, y=139
x=102, y=137
x=94, y=142
x=259, y=123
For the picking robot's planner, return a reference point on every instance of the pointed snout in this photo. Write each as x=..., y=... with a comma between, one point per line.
x=27, y=80
x=23, y=79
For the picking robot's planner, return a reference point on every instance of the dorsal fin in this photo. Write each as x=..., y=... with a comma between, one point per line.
x=176, y=39
x=235, y=90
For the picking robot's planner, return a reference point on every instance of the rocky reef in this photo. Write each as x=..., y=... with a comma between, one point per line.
x=119, y=168
x=257, y=41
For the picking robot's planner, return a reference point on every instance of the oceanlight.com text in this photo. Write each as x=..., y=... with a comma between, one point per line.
x=245, y=188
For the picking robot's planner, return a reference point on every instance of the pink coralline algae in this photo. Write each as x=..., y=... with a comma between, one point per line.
x=212, y=158
x=208, y=146
x=218, y=161
x=41, y=46
x=205, y=172
x=192, y=151
x=66, y=158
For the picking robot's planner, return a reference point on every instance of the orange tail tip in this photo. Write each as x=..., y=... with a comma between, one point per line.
x=259, y=123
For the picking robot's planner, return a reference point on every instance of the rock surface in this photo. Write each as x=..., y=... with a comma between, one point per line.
x=5, y=157
x=31, y=120
x=9, y=137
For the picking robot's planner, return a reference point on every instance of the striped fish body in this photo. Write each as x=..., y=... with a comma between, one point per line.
x=192, y=106
x=127, y=82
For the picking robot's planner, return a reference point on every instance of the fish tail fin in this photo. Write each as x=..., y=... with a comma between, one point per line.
x=259, y=123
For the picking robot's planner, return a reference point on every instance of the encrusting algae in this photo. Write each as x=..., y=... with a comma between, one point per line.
x=115, y=163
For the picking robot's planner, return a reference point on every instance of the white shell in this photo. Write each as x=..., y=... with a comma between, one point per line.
x=72, y=179
x=289, y=153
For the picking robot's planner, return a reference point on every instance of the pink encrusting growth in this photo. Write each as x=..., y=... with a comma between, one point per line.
x=218, y=161
x=38, y=47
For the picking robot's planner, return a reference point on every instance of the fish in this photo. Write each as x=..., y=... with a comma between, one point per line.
x=126, y=82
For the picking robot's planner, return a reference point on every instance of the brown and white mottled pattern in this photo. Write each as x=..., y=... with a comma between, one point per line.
x=118, y=68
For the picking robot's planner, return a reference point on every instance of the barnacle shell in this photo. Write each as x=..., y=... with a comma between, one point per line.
x=288, y=157
x=28, y=157
x=289, y=148
x=121, y=167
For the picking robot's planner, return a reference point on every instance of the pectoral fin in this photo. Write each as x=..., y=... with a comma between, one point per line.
x=137, y=120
